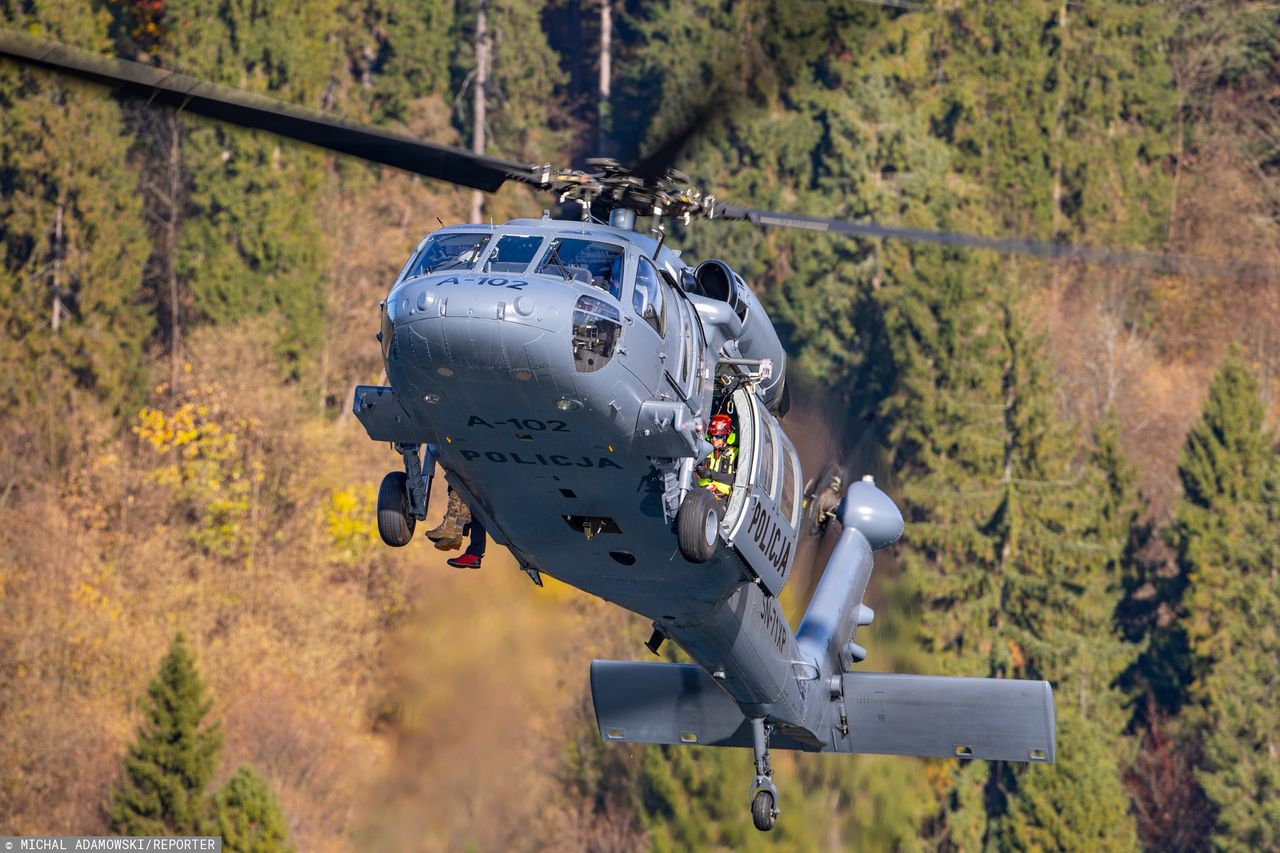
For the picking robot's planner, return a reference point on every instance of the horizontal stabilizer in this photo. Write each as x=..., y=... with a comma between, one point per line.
x=999, y=719
x=640, y=702
x=926, y=715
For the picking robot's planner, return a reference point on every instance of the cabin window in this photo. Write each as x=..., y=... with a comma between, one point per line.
x=588, y=261
x=788, y=503
x=768, y=460
x=597, y=325
x=447, y=251
x=686, y=353
x=512, y=254
x=647, y=298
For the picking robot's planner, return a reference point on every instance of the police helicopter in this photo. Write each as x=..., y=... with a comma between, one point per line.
x=564, y=374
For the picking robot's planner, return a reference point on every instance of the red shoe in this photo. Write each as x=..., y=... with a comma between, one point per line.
x=466, y=561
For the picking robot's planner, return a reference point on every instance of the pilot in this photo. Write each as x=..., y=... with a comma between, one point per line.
x=715, y=473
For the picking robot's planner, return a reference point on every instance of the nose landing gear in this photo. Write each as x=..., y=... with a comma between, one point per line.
x=395, y=521
x=764, y=796
x=402, y=498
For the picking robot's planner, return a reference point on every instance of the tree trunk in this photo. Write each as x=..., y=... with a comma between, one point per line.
x=478, y=106
x=56, y=266
x=604, y=112
x=173, y=191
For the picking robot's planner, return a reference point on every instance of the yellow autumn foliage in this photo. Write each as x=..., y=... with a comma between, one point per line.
x=215, y=468
x=349, y=520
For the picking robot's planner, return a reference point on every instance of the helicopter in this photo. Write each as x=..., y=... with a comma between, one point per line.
x=563, y=375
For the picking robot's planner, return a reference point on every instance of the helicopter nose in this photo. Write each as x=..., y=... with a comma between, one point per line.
x=487, y=329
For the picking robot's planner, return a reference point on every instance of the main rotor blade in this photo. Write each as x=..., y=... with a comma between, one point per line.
x=1161, y=262
x=663, y=156
x=134, y=80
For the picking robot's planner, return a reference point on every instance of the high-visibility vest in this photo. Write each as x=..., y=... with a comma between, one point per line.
x=723, y=463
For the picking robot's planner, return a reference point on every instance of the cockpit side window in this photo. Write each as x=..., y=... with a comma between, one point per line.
x=588, y=261
x=512, y=254
x=447, y=251
x=647, y=299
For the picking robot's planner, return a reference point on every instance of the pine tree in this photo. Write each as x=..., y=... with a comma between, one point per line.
x=1012, y=555
x=1064, y=113
x=251, y=243
x=170, y=764
x=1078, y=803
x=526, y=113
x=72, y=241
x=1226, y=533
x=247, y=816
x=398, y=52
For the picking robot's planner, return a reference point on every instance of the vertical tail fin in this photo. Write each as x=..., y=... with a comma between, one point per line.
x=826, y=634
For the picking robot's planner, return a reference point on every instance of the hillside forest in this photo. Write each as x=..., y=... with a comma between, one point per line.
x=199, y=629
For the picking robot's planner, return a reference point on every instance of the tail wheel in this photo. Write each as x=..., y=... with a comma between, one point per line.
x=395, y=523
x=762, y=813
x=698, y=525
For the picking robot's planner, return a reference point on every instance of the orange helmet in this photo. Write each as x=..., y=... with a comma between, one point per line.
x=720, y=426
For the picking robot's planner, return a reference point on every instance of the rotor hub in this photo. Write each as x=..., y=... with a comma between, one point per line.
x=606, y=184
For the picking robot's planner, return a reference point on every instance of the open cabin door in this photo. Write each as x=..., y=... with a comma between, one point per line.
x=759, y=526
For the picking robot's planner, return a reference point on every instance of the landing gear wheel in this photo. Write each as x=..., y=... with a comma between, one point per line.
x=395, y=522
x=698, y=525
x=762, y=813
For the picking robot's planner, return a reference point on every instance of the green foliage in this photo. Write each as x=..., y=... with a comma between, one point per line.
x=252, y=244
x=1014, y=558
x=173, y=759
x=397, y=52
x=526, y=117
x=1065, y=114
x=1228, y=548
x=72, y=242
x=1078, y=803
x=247, y=815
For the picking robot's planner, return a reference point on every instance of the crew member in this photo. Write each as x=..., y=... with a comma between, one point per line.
x=715, y=473
x=471, y=557
x=457, y=523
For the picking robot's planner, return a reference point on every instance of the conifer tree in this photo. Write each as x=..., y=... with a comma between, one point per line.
x=398, y=51
x=1227, y=532
x=525, y=89
x=1078, y=803
x=72, y=241
x=247, y=816
x=251, y=243
x=170, y=764
x=1014, y=560
x=1064, y=112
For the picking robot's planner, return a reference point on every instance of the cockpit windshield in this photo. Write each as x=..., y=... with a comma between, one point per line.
x=448, y=251
x=512, y=254
x=587, y=261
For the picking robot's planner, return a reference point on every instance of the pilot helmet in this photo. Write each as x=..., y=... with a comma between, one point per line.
x=720, y=426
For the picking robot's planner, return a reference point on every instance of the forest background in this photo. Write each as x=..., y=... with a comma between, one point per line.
x=1086, y=455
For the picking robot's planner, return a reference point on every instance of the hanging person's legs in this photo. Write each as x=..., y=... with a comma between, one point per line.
x=449, y=532
x=471, y=557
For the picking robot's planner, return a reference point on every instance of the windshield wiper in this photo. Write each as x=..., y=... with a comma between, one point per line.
x=553, y=256
x=456, y=260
